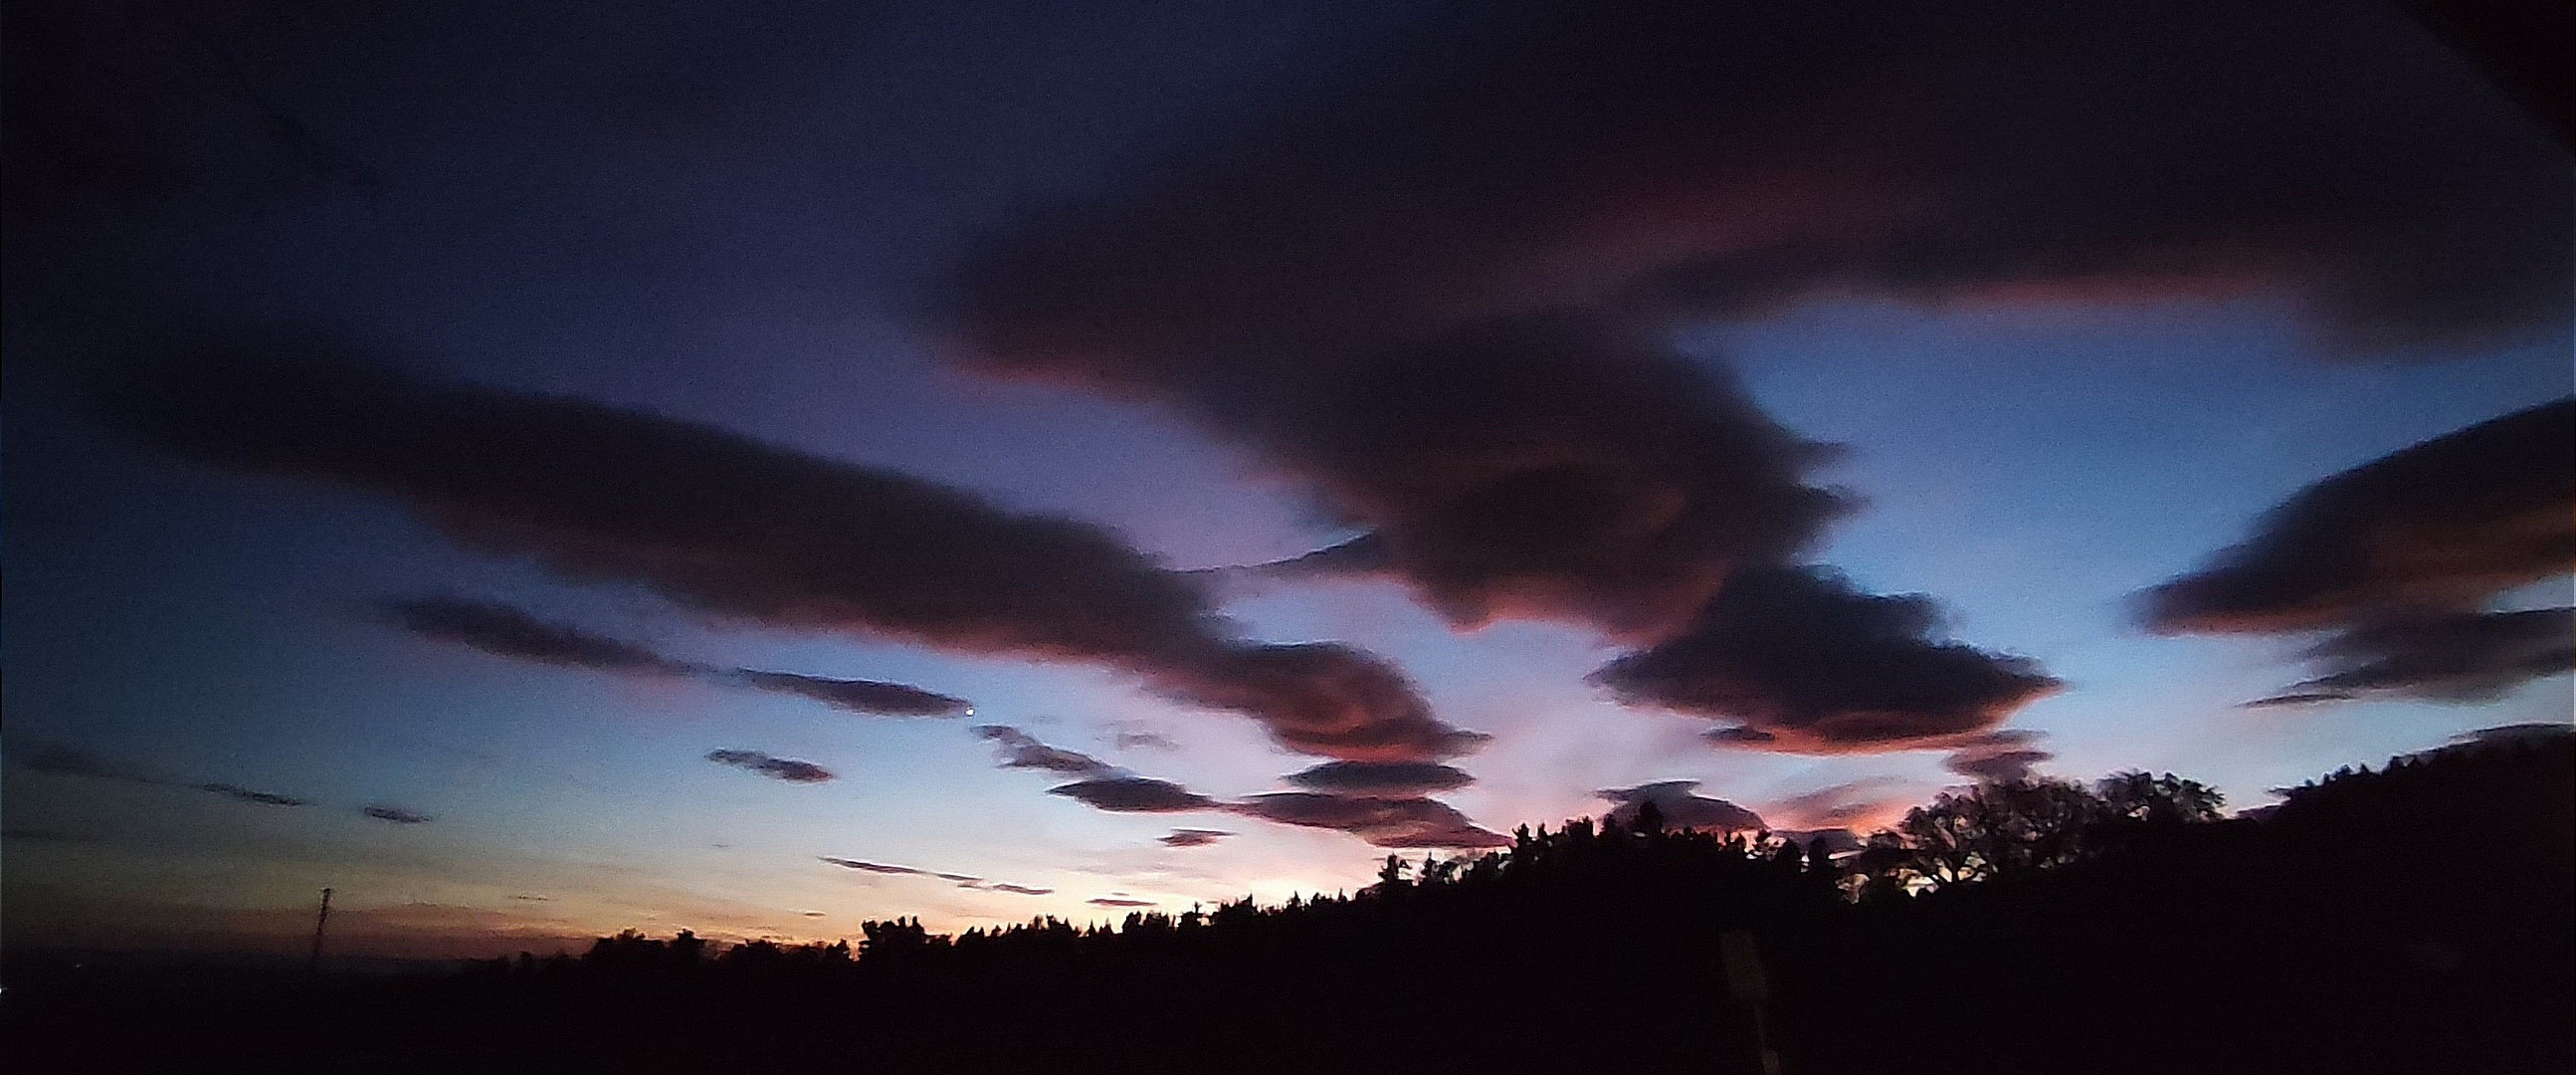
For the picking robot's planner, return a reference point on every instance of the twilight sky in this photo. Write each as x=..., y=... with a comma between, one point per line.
x=540, y=470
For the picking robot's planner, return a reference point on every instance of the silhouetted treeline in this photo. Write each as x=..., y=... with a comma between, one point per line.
x=2416, y=918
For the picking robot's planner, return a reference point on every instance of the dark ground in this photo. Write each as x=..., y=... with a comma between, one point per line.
x=2419, y=920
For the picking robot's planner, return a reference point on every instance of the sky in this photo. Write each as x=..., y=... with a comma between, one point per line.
x=539, y=471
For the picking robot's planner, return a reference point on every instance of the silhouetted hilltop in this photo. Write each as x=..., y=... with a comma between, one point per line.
x=2417, y=918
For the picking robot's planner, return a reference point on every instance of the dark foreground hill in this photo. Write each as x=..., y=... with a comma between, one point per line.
x=2420, y=918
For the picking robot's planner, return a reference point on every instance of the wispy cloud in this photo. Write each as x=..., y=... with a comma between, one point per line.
x=787, y=769
x=1020, y=750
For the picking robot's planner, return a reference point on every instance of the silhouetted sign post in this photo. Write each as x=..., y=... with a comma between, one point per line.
x=313, y=963
x=1746, y=983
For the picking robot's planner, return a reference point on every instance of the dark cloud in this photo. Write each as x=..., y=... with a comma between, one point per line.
x=1681, y=808
x=2467, y=657
x=1803, y=662
x=1725, y=159
x=1192, y=837
x=961, y=880
x=2000, y=766
x=2398, y=559
x=395, y=814
x=1133, y=795
x=1142, y=739
x=787, y=769
x=2516, y=733
x=58, y=759
x=507, y=631
x=1999, y=756
x=1381, y=778
x=1111, y=901
x=2443, y=525
x=811, y=914
x=61, y=760
x=856, y=695
x=736, y=528
x=1559, y=466
x=871, y=867
x=1462, y=347
x=1384, y=821
x=242, y=794
x=1020, y=750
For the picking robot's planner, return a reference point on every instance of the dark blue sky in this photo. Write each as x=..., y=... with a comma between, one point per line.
x=2065, y=366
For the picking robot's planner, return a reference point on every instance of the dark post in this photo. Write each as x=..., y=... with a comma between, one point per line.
x=1745, y=980
x=313, y=964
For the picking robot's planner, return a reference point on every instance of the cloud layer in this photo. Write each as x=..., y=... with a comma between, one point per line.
x=2399, y=558
x=2441, y=525
x=738, y=529
x=1722, y=160
x=1799, y=660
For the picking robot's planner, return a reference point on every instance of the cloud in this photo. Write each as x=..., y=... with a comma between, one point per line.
x=395, y=814
x=1133, y=795
x=506, y=631
x=1020, y=750
x=57, y=759
x=242, y=794
x=871, y=867
x=2465, y=657
x=1803, y=662
x=1381, y=778
x=1109, y=901
x=1725, y=160
x=2443, y=525
x=2397, y=560
x=1384, y=821
x=1681, y=808
x=2000, y=766
x=1559, y=466
x=961, y=880
x=787, y=769
x=1192, y=837
x=1999, y=756
x=870, y=696
x=1142, y=739
x=533, y=898
x=2515, y=734
x=1862, y=803
x=739, y=529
